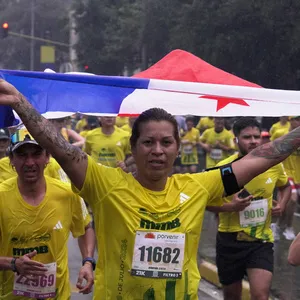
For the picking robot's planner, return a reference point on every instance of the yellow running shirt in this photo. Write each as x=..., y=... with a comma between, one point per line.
x=45, y=228
x=84, y=133
x=292, y=162
x=210, y=137
x=205, y=123
x=124, y=211
x=53, y=169
x=278, y=126
x=291, y=166
x=6, y=169
x=127, y=128
x=81, y=124
x=262, y=188
x=121, y=121
x=279, y=133
x=189, y=153
x=107, y=149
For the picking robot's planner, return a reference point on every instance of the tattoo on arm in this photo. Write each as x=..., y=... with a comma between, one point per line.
x=280, y=148
x=45, y=131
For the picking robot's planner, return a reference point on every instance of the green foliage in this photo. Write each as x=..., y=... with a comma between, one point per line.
x=255, y=39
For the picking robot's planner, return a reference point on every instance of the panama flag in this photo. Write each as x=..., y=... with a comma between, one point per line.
x=180, y=83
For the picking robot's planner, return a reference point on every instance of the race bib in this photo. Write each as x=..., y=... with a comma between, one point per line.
x=255, y=214
x=216, y=154
x=187, y=149
x=41, y=287
x=158, y=254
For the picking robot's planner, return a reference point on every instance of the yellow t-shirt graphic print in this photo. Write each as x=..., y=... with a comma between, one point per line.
x=107, y=149
x=122, y=208
x=45, y=228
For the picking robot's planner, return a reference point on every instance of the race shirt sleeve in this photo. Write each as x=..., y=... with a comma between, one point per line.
x=212, y=183
x=99, y=180
x=203, y=137
x=282, y=176
x=273, y=129
x=80, y=217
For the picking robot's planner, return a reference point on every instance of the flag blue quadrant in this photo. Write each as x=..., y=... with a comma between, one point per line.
x=54, y=92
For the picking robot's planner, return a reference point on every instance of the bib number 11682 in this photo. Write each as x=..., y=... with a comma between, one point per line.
x=159, y=254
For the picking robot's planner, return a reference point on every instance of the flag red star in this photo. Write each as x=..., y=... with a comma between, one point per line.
x=224, y=101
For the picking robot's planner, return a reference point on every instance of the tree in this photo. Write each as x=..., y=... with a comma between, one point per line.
x=51, y=16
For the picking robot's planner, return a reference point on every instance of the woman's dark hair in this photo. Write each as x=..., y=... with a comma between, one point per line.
x=244, y=122
x=152, y=114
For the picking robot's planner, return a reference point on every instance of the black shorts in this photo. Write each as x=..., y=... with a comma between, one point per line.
x=235, y=257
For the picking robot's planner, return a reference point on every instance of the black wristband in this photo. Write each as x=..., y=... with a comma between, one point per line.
x=13, y=265
x=90, y=260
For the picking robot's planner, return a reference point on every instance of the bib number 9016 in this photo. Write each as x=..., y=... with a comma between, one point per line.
x=258, y=213
x=255, y=214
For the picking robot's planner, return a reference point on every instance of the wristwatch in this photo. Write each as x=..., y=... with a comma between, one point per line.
x=13, y=265
x=91, y=260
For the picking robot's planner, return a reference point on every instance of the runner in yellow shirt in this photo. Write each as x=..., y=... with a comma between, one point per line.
x=282, y=124
x=205, y=123
x=291, y=166
x=189, y=151
x=107, y=144
x=148, y=225
x=279, y=132
x=244, y=240
x=83, y=122
x=37, y=215
x=217, y=142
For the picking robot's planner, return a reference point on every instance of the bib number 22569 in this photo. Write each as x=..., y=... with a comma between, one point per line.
x=39, y=287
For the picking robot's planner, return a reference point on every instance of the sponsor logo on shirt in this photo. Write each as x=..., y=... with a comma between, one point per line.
x=150, y=235
x=169, y=237
x=23, y=240
x=147, y=224
x=183, y=198
x=58, y=226
x=160, y=215
x=269, y=180
x=23, y=251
